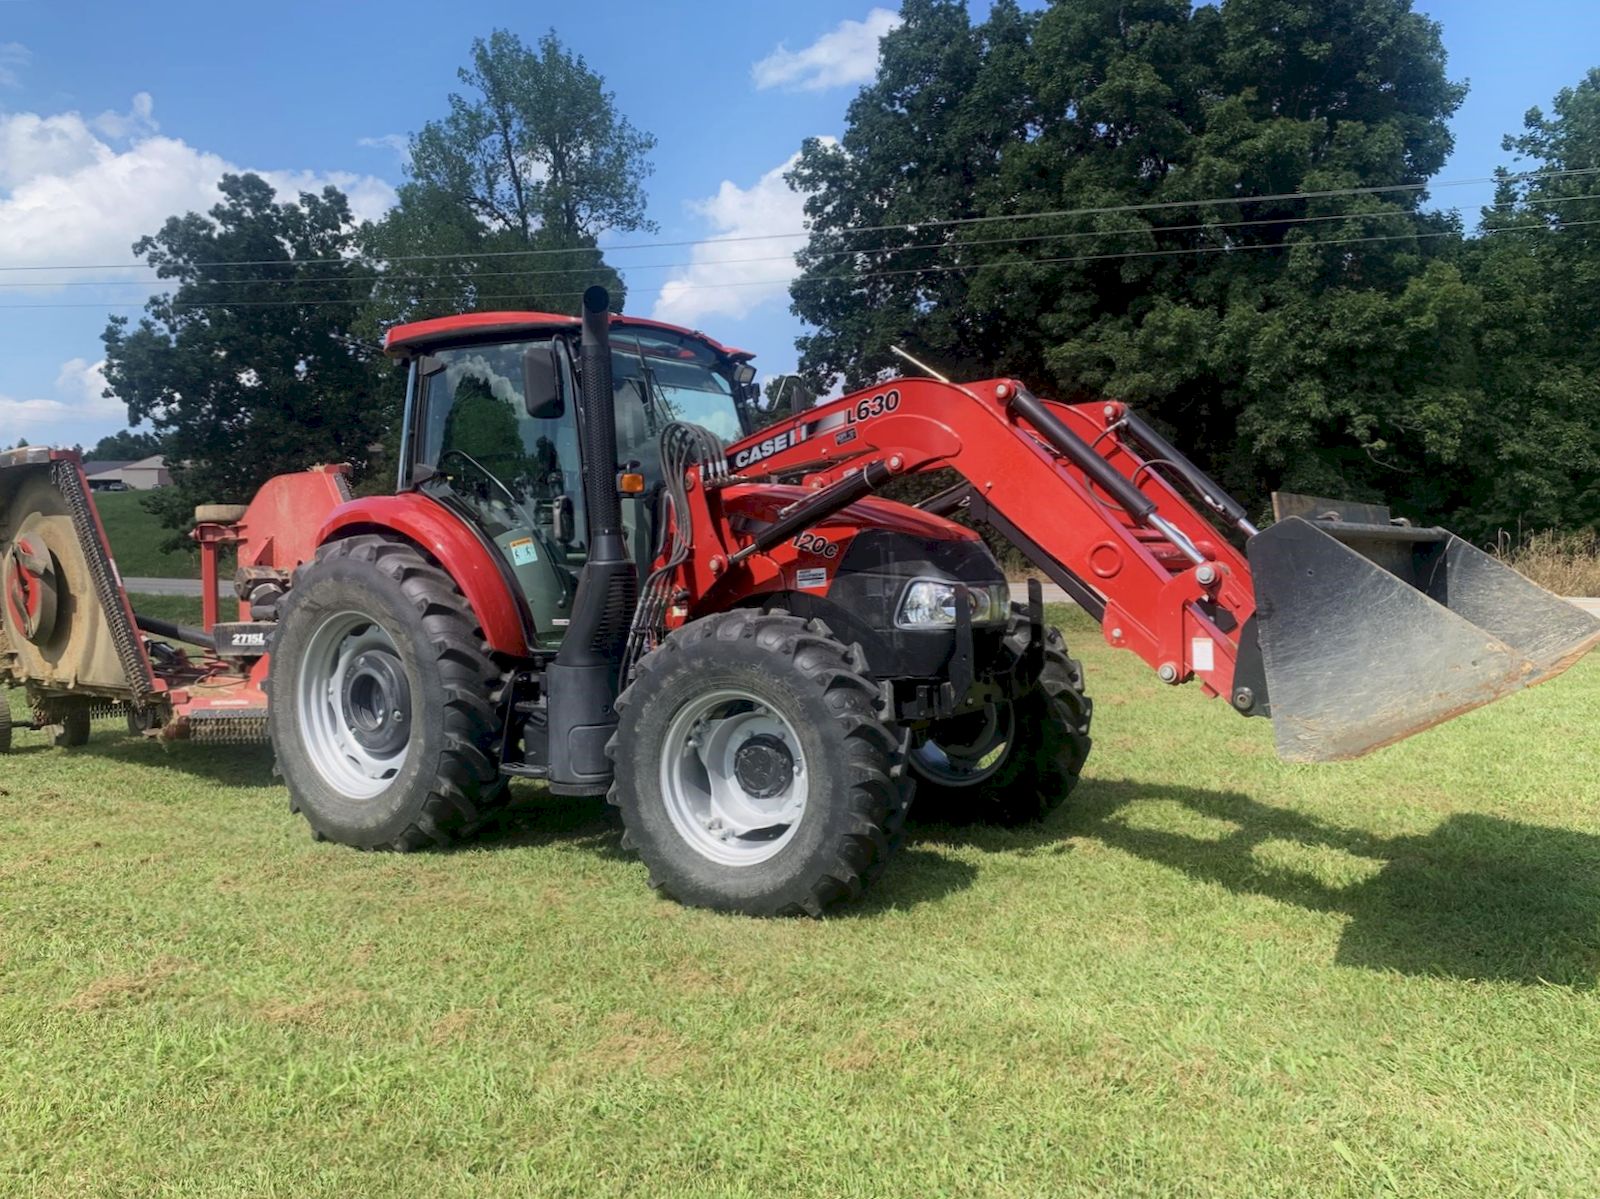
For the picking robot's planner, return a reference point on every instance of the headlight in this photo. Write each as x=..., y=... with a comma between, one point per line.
x=931, y=604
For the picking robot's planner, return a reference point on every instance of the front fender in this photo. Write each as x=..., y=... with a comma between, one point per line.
x=450, y=542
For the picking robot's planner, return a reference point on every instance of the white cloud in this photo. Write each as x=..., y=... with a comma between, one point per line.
x=846, y=54
x=370, y=197
x=69, y=196
x=136, y=121
x=397, y=144
x=78, y=412
x=84, y=382
x=13, y=57
x=766, y=207
x=32, y=146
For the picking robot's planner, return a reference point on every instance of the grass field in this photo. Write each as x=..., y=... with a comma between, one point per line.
x=137, y=537
x=1211, y=973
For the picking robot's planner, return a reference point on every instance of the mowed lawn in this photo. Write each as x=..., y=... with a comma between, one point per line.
x=139, y=540
x=1210, y=973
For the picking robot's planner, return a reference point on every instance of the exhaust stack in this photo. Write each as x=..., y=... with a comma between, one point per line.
x=581, y=684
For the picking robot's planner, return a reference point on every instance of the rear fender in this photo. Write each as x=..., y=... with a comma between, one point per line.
x=458, y=550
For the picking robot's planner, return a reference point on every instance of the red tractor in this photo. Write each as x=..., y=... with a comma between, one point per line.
x=607, y=567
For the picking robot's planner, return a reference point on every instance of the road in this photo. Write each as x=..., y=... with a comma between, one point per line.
x=143, y=586
x=1052, y=593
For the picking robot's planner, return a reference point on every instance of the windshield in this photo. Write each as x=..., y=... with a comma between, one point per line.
x=676, y=378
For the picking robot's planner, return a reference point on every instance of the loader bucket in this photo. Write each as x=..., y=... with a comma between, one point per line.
x=1372, y=632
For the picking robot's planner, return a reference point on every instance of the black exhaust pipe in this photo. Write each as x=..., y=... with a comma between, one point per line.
x=581, y=684
x=598, y=428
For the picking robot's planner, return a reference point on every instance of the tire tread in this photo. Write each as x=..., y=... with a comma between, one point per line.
x=877, y=801
x=468, y=786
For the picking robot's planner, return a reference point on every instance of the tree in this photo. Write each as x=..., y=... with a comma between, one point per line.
x=1537, y=438
x=510, y=191
x=249, y=367
x=126, y=446
x=1264, y=341
x=923, y=142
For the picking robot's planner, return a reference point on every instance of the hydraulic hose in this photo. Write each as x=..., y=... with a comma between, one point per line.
x=178, y=632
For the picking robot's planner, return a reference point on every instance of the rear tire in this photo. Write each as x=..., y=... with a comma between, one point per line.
x=5, y=723
x=821, y=770
x=1042, y=738
x=382, y=716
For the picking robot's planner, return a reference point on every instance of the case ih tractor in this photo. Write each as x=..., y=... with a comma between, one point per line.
x=599, y=570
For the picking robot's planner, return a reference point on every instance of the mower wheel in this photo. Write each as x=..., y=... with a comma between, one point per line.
x=5, y=723
x=73, y=728
x=754, y=771
x=383, y=717
x=1014, y=762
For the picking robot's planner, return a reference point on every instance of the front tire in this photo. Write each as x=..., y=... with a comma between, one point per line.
x=382, y=715
x=1018, y=760
x=753, y=770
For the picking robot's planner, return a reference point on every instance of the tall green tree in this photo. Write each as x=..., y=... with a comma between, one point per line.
x=509, y=192
x=250, y=367
x=924, y=142
x=125, y=446
x=1538, y=269
x=1281, y=350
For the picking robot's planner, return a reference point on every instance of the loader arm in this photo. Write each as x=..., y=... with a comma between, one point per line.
x=1347, y=650
x=1176, y=596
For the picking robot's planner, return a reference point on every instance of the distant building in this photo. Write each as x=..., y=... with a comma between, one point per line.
x=146, y=474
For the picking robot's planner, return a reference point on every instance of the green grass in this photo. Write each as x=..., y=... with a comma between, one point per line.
x=181, y=609
x=185, y=609
x=137, y=538
x=1210, y=973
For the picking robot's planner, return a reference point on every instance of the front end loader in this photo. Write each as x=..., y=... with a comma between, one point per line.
x=608, y=567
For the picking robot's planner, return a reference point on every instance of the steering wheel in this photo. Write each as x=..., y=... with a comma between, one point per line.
x=512, y=506
x=482, y=470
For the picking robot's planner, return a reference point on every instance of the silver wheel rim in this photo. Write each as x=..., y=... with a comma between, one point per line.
x=708, y=789
x=332, y=733
x=966, y=765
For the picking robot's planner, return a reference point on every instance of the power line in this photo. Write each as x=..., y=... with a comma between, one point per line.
x=289, y=281
x=853, y=276
x=944, y=222
x=1208, y=227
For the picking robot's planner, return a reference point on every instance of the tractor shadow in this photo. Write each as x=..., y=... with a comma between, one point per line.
x=238, y=766
x=1479, y=897
x=535, y=818
x=589, y=824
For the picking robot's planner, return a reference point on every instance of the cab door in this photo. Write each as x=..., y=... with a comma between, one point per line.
x=509, y=465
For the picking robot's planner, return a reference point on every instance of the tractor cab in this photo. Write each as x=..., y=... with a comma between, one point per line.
x=493, y=430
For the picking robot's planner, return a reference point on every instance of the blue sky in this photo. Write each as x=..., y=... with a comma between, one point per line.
x=113, y=115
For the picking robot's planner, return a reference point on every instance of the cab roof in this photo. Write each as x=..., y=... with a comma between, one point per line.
x=419, y=336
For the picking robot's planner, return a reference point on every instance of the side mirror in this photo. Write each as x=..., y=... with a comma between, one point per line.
x=541, y=382
x=786, y=396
